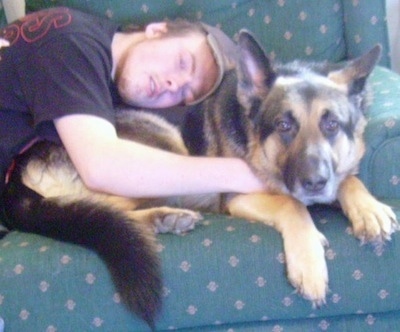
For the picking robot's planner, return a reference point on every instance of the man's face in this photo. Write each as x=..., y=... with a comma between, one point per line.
x=162, y=71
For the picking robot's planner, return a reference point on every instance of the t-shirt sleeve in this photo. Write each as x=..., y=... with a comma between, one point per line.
x=68, y=76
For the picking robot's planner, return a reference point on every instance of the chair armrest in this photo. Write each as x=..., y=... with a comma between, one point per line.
x=380, y=167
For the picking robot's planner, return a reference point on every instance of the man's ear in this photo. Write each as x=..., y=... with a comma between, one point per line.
x=156, y=29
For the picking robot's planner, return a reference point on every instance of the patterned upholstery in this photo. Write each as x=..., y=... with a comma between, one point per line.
x=379, y=169
x=226, y=271
x=3, y=19
x=228, y=274
x=327, y=29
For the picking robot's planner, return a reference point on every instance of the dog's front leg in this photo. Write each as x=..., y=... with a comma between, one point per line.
x=372, y=220
x=303, y=243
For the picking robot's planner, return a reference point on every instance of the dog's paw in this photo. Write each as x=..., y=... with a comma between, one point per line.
x=176, y=221
x=306, y=266
x=372, y=220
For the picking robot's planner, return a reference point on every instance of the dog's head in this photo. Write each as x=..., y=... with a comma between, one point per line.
x=308, y=118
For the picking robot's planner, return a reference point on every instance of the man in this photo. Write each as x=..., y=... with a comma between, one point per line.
x=64, y=72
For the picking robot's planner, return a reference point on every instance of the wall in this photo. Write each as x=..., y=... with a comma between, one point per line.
x=393, y=17
x=14, y=9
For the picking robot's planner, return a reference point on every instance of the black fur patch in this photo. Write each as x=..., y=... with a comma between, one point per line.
x=118, y=240
x=193, y=131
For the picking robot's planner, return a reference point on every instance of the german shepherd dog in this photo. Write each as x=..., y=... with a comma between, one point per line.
x=299, y=127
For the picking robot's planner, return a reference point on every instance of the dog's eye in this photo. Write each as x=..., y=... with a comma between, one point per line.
x=331, y=127
x=286, y=126
x=283, y=126
x=330, y=124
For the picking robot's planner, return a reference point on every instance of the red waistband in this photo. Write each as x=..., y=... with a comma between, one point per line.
x=13, y=164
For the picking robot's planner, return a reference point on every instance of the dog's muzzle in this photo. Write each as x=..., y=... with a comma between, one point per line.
x=309, y=177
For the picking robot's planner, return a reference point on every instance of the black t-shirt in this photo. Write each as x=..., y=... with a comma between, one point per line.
x=59, y=63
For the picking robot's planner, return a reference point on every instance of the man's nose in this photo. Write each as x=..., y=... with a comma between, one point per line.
x=172, y=85
x=175, y=83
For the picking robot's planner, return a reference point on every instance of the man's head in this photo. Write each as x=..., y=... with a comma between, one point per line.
x=172, y=63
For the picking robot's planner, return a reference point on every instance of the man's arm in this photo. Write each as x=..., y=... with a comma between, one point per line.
x=109, y=164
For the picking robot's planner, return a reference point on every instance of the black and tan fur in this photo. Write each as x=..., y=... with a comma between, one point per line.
x=45, y=195
x=298, y=126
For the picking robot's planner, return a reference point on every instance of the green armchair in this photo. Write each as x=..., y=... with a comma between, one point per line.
x=229, y=274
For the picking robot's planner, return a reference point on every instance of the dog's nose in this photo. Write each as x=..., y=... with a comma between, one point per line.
x=314, y=183
x=314, y=174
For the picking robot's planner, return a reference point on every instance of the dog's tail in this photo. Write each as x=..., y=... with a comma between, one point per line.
x=125, y=246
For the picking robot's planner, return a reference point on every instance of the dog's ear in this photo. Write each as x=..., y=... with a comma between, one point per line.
x=254, y=72
x=355, y=73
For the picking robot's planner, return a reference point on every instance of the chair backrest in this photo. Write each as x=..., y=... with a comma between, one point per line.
x=3, y=20
x=320, y=29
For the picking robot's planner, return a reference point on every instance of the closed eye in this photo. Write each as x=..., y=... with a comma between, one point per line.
x=185, y=62
x=182, y=63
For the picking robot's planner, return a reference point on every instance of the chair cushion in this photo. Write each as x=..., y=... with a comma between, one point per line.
x=225, y=271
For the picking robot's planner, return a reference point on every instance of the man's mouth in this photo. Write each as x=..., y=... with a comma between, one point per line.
x=152, y=91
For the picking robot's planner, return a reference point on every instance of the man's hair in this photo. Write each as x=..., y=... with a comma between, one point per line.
x=176, y=27
x=182, y=27
x=223, y=48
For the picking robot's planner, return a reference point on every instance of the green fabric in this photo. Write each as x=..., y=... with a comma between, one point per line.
x=3, y=20
x=388, y=322
x=225, y=271
x=366, y=25
x=380, y=168
x=228, y=274
x=287, y=29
